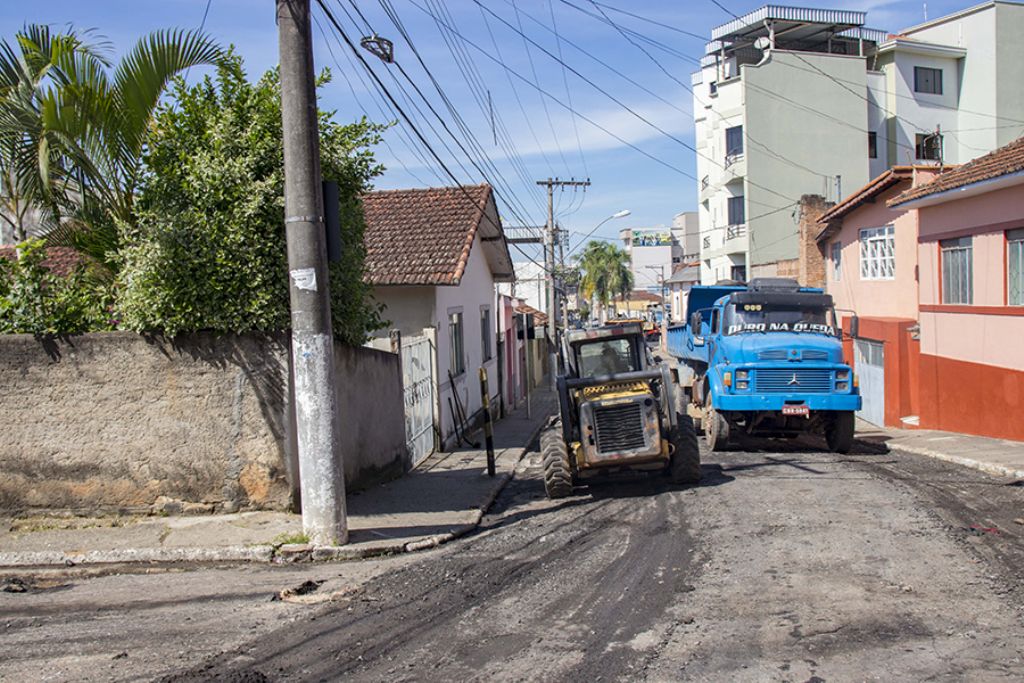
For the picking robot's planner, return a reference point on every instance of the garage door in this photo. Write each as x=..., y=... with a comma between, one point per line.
x=870, y=366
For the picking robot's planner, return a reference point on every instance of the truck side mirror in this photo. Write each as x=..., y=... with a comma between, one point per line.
x=854, y=327
x=698, y=341
x=695, y=321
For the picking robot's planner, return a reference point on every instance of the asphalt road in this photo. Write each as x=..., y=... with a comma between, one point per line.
x=787, y=564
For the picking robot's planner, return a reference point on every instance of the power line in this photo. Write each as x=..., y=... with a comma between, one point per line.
x=554, y=99
x=568, y=93
x=355, y=51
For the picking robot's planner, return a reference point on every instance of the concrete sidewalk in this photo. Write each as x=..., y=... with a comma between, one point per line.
x=441, y=499
x=994, y=456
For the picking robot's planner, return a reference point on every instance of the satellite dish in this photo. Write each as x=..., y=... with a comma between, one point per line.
x=762, y=43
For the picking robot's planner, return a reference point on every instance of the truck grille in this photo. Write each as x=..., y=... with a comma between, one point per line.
x=619, y=428
x=781, y=381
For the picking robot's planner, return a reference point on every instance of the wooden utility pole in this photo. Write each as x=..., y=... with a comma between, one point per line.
x=549, y=266
x=321, y=472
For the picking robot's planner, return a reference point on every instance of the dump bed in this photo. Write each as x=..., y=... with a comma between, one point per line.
x=680, y=337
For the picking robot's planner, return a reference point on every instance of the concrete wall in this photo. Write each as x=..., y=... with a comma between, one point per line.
x=119, y=421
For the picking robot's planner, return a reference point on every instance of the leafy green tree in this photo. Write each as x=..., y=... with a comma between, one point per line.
x=72, y=135
x=605, y=272
x=35, y=300
x=207, y=251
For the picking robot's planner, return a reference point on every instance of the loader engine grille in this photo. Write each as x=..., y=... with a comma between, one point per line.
x=796, y=381
x=619, y=428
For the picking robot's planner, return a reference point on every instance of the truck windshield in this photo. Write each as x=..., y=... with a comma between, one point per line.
x=605, y=357
x=747, y=318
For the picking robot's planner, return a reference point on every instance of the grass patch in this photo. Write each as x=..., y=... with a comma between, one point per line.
x=290, y=539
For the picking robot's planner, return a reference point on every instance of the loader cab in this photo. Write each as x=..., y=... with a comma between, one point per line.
x=606, y=351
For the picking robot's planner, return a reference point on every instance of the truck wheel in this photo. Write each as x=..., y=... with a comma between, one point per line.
x=555, y=454
x=839, y=432
x=684, y=467
x=716, y=429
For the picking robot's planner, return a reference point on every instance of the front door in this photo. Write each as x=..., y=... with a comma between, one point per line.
x=870, y=368
x=418, y=385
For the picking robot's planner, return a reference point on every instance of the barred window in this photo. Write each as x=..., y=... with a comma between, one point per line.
x=458, y=359
x=878, y=253
x=957, y=270
x=1015, y=267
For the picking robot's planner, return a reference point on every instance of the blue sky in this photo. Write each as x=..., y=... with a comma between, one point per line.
x=538, y=136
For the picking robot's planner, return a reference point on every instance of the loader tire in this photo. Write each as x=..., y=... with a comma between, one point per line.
x=555, y=455
x=839, y=432
x=684, y=467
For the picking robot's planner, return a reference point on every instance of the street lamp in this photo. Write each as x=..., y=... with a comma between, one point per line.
x=617, y=214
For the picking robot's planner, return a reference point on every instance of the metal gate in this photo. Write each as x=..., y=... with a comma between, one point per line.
x=870, y=367
x=418, y=385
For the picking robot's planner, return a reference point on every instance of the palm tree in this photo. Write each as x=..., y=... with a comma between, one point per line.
x=73, y=134
x=606, y=273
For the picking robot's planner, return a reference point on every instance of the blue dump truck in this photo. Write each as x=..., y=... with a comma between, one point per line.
x=766, y=360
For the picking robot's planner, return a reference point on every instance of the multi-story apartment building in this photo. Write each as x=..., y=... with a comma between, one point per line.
x=792, y=101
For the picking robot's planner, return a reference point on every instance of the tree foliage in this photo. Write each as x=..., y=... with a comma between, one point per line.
x=207, y=247
x=605, y=272
x=35, y=300
x=72, y=132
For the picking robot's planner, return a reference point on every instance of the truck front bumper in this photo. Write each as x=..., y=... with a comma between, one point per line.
x=774, y=402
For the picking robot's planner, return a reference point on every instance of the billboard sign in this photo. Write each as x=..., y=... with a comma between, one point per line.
x=652, y=238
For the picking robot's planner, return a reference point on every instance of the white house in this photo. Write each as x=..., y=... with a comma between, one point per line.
x=792, y=101
x=434, y=256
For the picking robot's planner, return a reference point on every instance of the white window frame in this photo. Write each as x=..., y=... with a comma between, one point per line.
x=878, y=253
x=956, y=265
x=486, y=333
x=1015, y=267
x=836, y=257
x=457, y=342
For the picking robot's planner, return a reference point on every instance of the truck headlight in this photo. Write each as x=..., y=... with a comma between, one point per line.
x=842, y=374
x=742, y=374
x=742, y=384
x=842, y=386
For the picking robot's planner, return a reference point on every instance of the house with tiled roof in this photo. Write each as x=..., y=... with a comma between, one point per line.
x=970, y=246
x=870, y=269
x=433, y=257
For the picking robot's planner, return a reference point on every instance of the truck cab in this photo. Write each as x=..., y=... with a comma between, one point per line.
x=766, y=360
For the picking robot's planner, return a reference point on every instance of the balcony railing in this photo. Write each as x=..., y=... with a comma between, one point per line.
x=734, y=231
x=732, y=158
x=704, y=182
x=707, y=242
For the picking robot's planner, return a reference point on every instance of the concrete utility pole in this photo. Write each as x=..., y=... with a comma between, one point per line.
x=549, y=266
x=321, y=473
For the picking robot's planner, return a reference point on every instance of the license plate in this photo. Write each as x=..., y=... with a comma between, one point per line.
x=795, y=410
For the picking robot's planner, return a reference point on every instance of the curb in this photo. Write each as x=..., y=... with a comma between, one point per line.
x=269, y=554
x=986, y=467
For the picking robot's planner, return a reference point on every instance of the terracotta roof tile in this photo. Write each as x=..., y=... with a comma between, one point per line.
x=1003, y=161
x=59, y=260
x=422, y=236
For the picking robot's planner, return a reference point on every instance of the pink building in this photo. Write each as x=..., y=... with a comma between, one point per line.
x=871, y=268
x=971, y=294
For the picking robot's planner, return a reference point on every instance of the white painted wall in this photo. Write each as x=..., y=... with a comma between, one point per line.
x=476, y=290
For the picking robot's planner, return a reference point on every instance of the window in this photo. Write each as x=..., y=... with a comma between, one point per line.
x=606, y=357
x=928, y=81
x=713, y=88
x=739, y=273
x=1015, y=267
x=928, y=146
x=872, y=145
x=458, y=360
x=877, y=253
x=734, y=141
x=736, y=213
x=837, y=261
x=714, y=321
x=485, y=332
x=957, y=271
